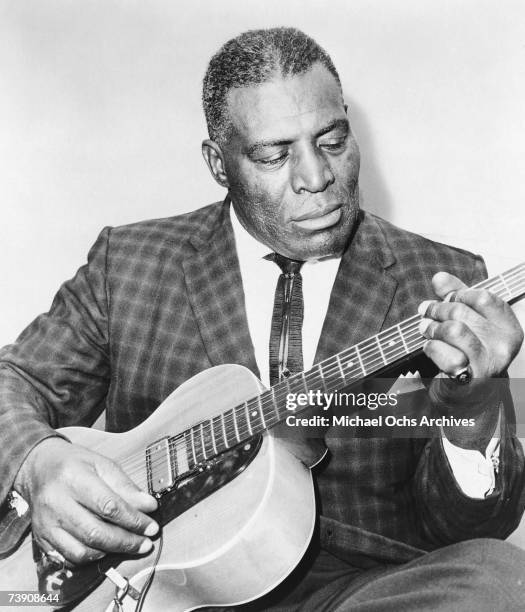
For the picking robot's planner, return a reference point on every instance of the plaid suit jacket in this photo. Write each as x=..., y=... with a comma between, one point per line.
x=161, y=300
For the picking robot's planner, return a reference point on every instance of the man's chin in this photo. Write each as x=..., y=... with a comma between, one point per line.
x=320, y=246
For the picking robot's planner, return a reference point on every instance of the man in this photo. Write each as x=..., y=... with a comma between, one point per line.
x=160, y=301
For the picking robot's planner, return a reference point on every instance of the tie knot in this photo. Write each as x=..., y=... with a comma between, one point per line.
x=288, y=266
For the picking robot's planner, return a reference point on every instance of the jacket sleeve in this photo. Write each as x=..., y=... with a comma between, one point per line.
x=57, y=372
x=445, y=513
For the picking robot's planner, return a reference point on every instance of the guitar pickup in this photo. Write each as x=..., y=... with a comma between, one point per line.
x=159, y=465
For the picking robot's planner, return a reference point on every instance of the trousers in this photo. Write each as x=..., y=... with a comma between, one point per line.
x=482, y=575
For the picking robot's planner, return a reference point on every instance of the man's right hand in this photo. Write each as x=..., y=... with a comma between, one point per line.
x=82, y=504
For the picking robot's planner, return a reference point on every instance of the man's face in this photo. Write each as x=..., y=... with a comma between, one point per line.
x=292, y=164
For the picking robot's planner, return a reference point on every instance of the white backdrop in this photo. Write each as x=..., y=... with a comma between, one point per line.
x=101, y=124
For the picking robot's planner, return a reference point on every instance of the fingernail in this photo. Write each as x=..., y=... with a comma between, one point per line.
x=423, y=307
x=146, y=496
x=149, y=500
x=151, y=529
x=145, y=546
x=423, y=325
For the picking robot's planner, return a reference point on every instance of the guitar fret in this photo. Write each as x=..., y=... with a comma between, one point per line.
x=360, y=360
x=202, y=441
x=236, y=429
x=255, y=415
x=273, y=414
x=248, y=419
x=290, y=392
x=209, y=440
x=224, y=432
x=242, y=422
x=331, y=372
x=403, y=339
x=229, y=427
x=219, y=433
x=212, y=431
x=381, y=350
x=320, y=368
x=412, y=338
x=303, y=376
x=343, y=377
x=261, y=411
x=197, y=438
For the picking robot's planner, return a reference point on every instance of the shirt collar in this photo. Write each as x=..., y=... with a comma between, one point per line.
x=248, y=248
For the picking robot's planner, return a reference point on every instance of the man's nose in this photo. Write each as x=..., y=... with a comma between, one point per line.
x=311, y=172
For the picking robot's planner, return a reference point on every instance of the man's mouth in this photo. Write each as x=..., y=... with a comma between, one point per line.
x=319, y=219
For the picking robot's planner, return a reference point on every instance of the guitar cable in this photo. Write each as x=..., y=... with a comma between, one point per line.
x=149, y=580
x=123, y=588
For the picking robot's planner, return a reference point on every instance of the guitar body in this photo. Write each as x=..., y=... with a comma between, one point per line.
x=234, y=545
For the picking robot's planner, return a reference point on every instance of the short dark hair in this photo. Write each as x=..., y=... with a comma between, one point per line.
x=255, y=57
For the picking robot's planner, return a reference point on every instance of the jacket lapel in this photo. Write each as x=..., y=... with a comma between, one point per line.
x=361, y=297
x=214, y=285
x=363, y=290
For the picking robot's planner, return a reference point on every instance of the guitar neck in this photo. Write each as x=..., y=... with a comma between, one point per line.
x=347, y=368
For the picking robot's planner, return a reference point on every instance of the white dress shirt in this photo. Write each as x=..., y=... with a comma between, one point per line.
x=473, y=471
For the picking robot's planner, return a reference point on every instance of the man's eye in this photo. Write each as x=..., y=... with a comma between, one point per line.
x=274, y=160
x=334, y=145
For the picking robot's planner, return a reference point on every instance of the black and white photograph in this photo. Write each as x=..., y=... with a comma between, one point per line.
x=263, y=302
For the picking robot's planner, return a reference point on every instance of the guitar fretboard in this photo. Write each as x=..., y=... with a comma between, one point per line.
x=208, y=438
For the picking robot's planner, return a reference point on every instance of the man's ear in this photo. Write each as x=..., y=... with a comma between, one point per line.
x=214, y=159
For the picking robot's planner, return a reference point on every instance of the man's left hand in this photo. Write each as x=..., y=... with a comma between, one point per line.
x=477, y=330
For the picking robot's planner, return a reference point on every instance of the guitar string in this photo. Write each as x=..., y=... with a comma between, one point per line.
x=185, y=447
x=330, y=377
x=195, y=455
x=326, y=371
x=181, y=442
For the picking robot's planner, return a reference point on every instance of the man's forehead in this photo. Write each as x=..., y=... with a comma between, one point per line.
x=300, y=101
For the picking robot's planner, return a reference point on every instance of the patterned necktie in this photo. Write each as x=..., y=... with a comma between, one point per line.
x=286, y=346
